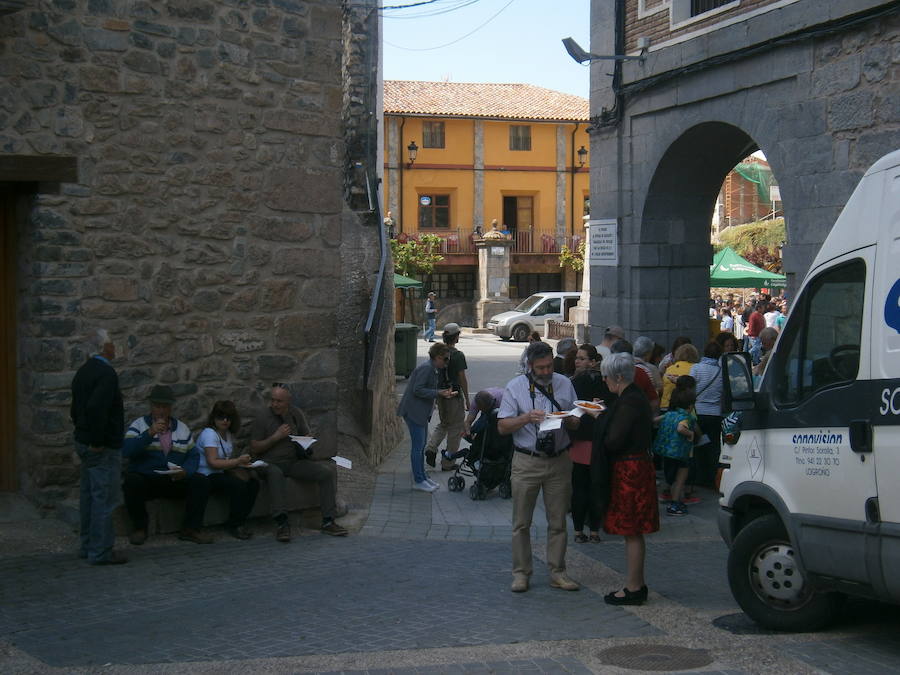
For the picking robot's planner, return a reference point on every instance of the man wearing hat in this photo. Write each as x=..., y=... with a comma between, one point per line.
x=451, y=411
x=152, y=443
x=610, y=335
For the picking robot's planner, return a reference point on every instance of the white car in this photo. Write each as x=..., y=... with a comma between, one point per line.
x=532, y=314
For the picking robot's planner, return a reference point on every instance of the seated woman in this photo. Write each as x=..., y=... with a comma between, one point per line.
x=216, y=444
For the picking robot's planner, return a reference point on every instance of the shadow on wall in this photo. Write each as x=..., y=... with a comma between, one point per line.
x=462, y=313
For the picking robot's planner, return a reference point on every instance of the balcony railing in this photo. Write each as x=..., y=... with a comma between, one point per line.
x=462, y=241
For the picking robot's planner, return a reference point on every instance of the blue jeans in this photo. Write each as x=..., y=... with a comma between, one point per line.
x=430, y=327
x=100, y=473
x=417, y=445
x=755, y=350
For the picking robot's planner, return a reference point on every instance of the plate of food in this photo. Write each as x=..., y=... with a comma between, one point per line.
x=559, y=413
x=591, y=405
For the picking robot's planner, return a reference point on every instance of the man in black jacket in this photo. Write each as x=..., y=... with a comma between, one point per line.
x=99, y=418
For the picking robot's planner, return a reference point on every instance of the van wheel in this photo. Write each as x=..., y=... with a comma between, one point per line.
x=520, y=333
x=769, y=585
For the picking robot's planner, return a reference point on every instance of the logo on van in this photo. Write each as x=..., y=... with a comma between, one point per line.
x=892, y=307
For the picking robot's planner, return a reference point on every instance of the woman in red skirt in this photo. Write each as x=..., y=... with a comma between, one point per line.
x=622, y=452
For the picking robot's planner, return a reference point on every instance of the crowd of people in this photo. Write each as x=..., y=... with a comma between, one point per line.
x=166, y=459
x=657, y=410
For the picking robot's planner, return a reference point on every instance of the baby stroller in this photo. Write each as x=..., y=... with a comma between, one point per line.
x=488, y=459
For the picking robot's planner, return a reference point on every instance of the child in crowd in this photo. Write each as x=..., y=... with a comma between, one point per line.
x=675, y=440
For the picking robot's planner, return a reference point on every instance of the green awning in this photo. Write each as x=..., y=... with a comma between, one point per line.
x=729, y=270
x=401, y=281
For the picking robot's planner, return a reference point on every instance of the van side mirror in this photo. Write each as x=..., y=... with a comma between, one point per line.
x=737, y=382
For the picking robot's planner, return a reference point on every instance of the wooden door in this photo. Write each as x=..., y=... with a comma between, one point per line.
x=8, y=482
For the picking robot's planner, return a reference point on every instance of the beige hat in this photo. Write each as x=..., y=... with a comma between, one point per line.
x=618, y=331
x=452, y=329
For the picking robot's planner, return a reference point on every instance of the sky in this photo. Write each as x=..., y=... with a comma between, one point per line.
x=505, y=41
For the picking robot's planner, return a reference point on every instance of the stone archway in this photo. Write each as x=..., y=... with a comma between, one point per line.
x=674, y=252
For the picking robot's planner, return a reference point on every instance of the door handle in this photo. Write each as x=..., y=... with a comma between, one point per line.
x=860, y=436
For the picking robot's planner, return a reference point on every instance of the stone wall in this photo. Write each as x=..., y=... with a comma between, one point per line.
x=212, y=228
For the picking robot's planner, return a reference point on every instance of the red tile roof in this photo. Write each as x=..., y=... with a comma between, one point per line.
x=462, y=99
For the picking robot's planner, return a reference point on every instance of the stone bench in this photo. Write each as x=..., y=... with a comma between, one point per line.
x=165, y=516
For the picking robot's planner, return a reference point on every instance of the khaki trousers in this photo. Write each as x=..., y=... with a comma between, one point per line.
x=529, y=475
x=452, y=416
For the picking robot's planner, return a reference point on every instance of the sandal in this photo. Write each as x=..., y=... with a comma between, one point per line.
x=595, y=539
x=581, y=538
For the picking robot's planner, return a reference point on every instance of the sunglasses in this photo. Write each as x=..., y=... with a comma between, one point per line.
x=223, y=417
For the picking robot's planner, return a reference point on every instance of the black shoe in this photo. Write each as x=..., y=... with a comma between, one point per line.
x=630, y=597
x=115, y=558
x=430, y=456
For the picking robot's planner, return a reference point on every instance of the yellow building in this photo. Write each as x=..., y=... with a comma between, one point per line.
x=459, y=155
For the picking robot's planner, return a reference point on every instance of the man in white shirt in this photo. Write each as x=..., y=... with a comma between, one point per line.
x=541, y=460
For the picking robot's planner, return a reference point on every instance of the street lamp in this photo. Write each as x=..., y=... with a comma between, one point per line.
x=582, y=156
x=576, y=52
x=413, y=151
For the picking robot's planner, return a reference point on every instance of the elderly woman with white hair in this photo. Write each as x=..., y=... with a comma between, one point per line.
x=621, y=451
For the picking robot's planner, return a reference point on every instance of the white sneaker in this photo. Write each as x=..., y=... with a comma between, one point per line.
x=437, y=486
x=424, y=486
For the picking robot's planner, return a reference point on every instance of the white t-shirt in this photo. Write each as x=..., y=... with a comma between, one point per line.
x=209, y=438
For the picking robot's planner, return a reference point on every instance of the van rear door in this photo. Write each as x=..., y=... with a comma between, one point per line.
x=815, y=382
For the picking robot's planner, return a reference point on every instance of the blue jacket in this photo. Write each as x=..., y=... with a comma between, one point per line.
x=421, y=390
x=145, y=455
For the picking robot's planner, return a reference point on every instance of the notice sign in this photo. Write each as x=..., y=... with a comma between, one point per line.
x=604, y=242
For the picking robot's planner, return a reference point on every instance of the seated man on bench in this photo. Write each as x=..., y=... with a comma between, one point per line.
x=270, y=441
x=152, y=443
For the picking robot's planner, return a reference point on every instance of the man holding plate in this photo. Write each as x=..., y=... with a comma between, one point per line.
x=541, y=460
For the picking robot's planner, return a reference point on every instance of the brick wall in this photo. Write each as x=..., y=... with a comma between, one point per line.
x=657, y=26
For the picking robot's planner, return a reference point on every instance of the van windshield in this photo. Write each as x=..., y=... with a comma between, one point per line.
x=528, y=303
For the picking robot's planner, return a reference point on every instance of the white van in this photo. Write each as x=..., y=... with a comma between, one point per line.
x=811, y=505
x=532, y=314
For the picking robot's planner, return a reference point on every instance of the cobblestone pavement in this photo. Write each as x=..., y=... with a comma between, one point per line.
x=421, y=587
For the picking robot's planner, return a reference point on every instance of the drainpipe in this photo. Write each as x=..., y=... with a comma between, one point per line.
x=572, y=182
x=400, y=168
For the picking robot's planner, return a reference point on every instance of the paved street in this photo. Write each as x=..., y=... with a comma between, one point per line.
x=421, y=587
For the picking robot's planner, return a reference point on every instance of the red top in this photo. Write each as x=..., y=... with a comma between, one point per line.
x=757, y=323
x=645, y=384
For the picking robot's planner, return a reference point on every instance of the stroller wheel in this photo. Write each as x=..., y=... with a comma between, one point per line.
x=460, y=483
x=505, y=490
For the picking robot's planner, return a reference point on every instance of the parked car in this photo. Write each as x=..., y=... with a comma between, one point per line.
x=811, y=502
x=532, y=314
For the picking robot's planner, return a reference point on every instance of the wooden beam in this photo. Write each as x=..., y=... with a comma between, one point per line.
x=37, y=168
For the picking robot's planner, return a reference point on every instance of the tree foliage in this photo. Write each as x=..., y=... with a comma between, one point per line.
x=574, y=260
x=759, y=242
x=413, y=256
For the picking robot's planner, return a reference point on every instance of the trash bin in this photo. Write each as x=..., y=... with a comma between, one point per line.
x=405, y=335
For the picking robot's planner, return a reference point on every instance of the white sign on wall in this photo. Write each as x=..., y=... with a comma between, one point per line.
x=603, y=247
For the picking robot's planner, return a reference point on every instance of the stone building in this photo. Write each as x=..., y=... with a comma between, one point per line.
x=193, y=176
x=812, y=84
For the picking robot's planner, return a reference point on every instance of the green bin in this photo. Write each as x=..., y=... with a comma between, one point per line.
x=405, y=335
